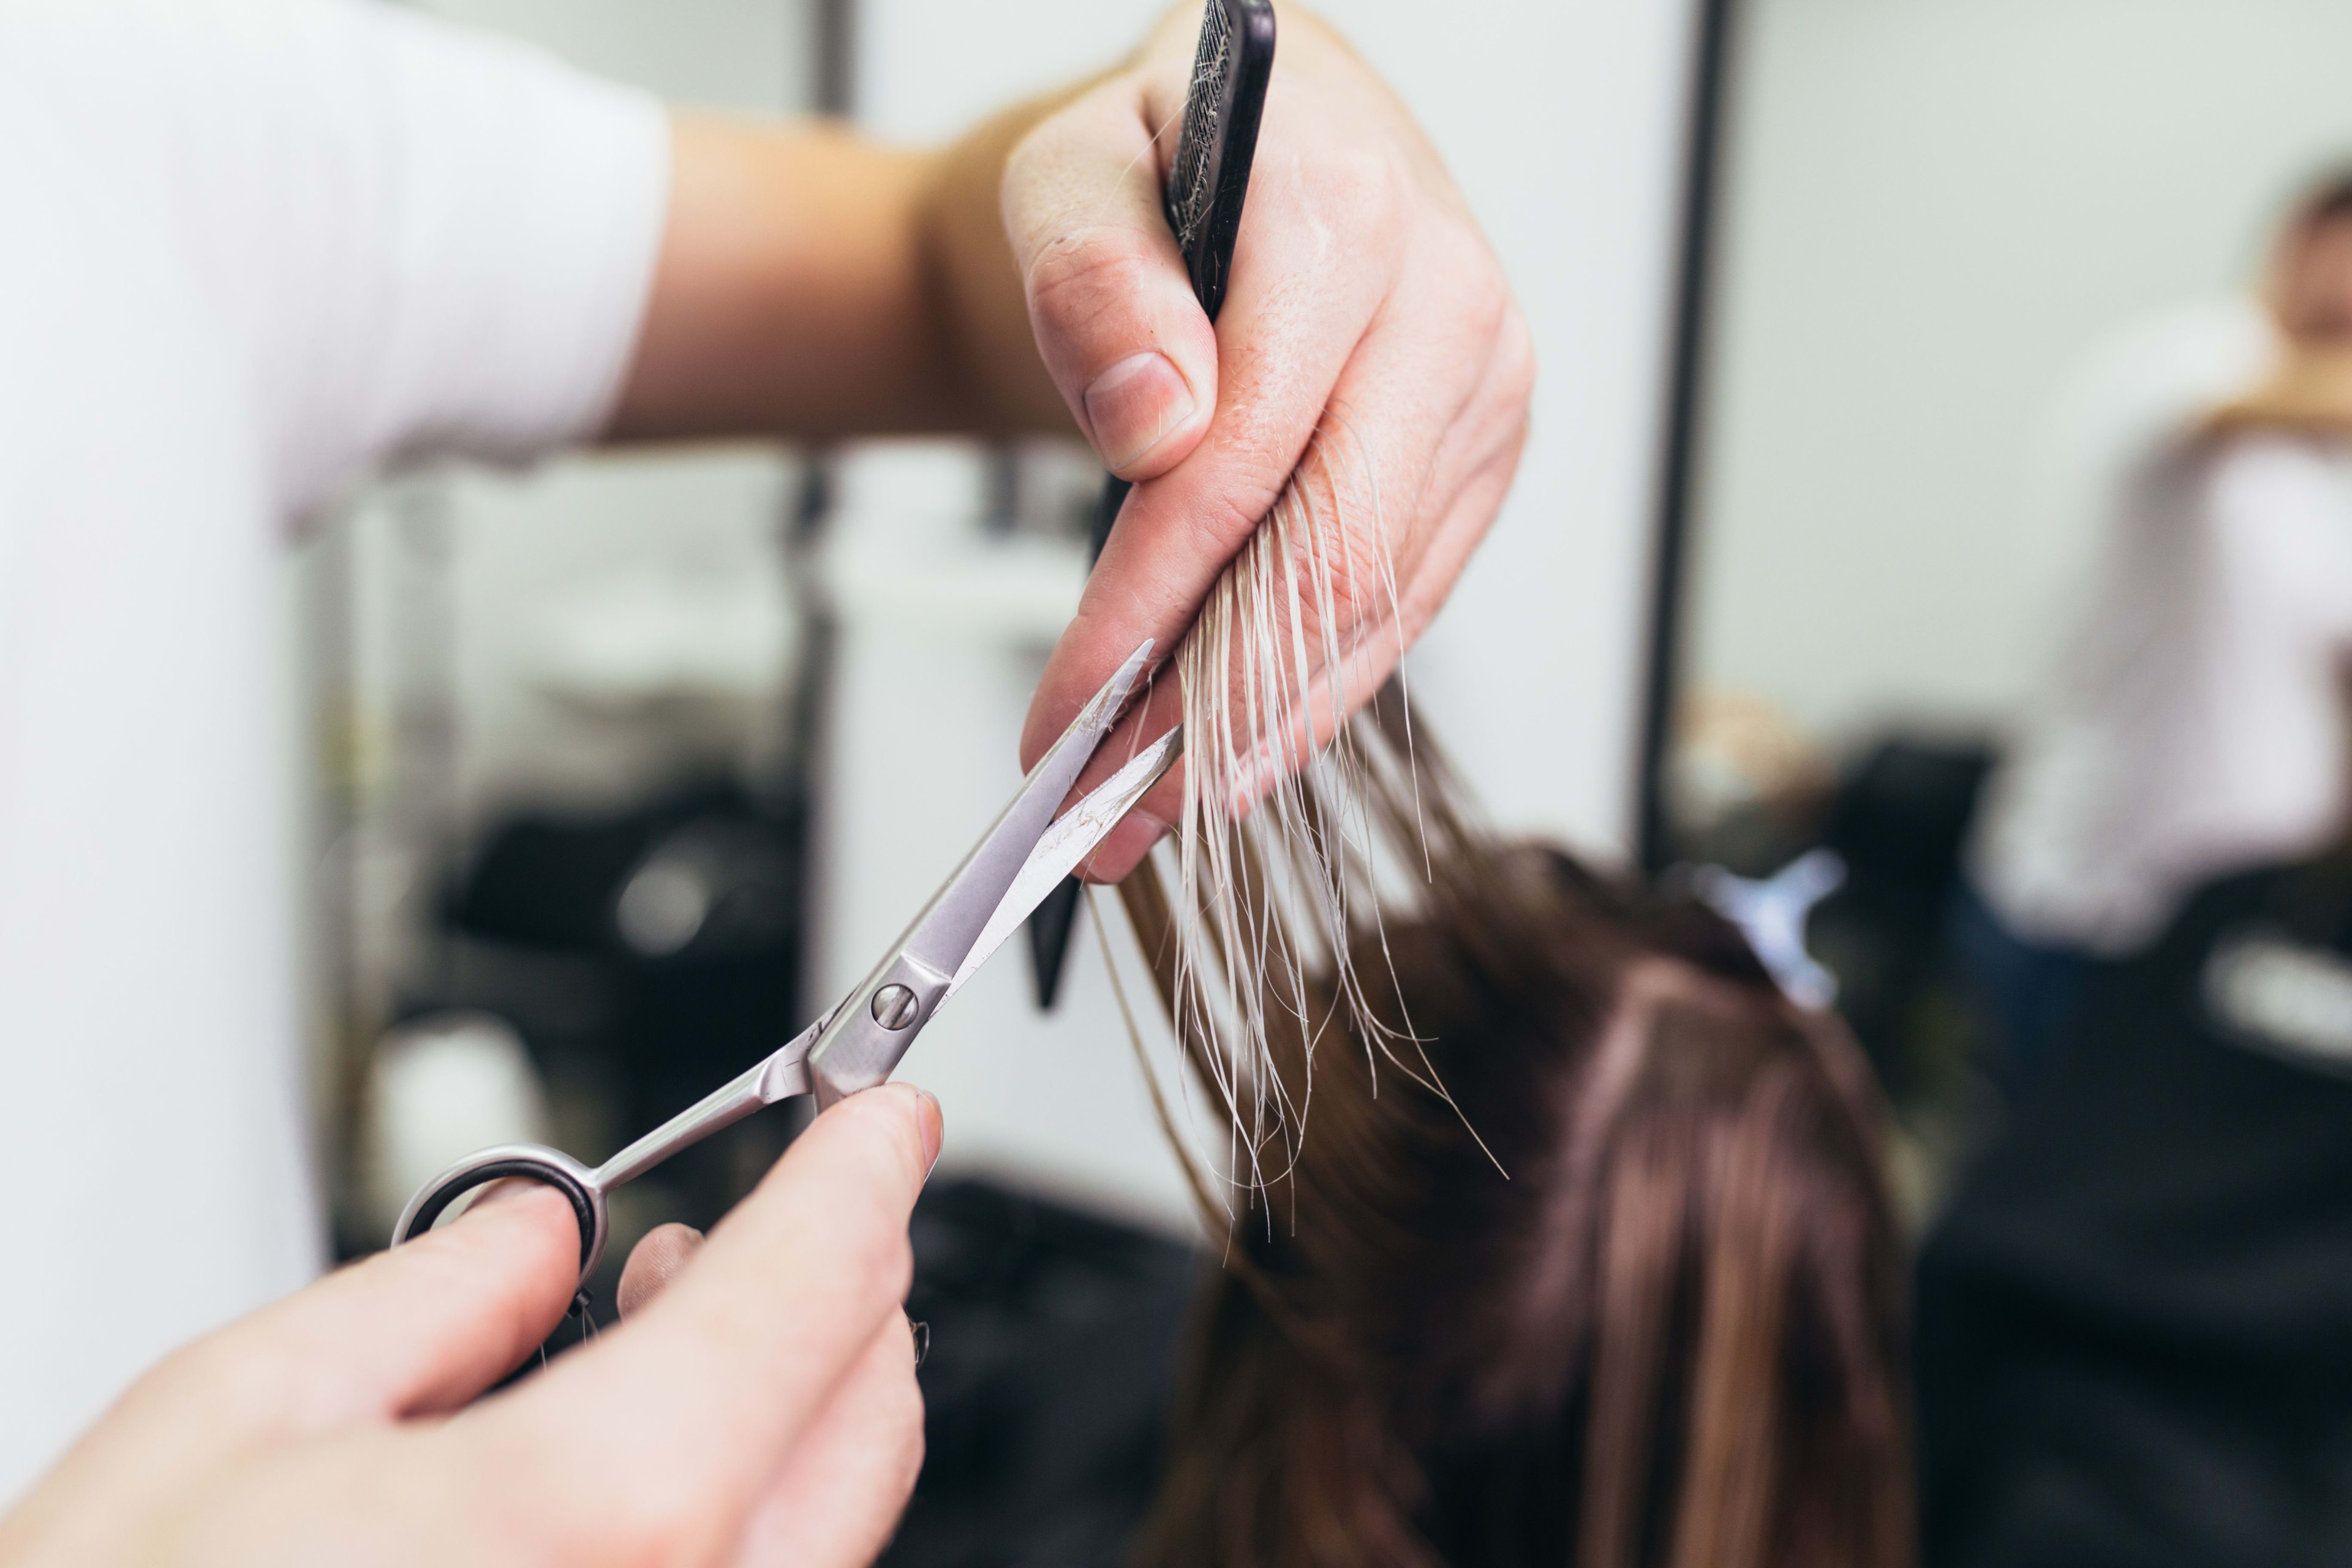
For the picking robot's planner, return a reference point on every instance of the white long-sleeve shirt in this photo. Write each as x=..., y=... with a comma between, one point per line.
x=248, y=248
x=2197, y=724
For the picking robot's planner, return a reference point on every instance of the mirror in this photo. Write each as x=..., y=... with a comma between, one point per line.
x=1999, y=691
x=1965, y=260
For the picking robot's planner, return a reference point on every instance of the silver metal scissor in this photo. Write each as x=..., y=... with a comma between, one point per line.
x=859, y=1044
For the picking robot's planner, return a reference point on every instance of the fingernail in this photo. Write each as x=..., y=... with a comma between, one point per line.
x=1134, y=405
x=1124, y=847
x=498, y=1192
x=935, y=1127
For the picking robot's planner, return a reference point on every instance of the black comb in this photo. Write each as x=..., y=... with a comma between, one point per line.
x=1207, y=184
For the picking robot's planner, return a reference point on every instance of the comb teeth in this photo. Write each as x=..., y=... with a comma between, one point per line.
x=1187, y=181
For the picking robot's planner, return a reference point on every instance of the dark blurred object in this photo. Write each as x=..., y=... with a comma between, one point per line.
x=2031, y=995
x=1904, y=811
x=691, y=906
x=1049, y=939
x=645, y=955
x=2135, y=1325
x=702, y=875
x=1898, y=819
x=1054, y=1341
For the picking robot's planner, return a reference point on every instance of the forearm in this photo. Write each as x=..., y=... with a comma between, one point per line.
x=812, y=283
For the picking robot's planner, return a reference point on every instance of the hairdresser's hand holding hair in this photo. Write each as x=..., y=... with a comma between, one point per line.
x=1368, y=317
x=757, y=1405
x=1370, y=367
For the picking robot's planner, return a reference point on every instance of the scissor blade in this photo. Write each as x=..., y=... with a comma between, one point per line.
x=943, y=935
x=1068, y=842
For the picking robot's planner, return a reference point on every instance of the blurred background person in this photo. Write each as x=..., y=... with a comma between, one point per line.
x=2195, y=723
x=2131, y=1320
x=2131, y=1305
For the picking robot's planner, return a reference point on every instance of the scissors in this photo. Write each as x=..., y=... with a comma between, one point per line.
x=858, y=1044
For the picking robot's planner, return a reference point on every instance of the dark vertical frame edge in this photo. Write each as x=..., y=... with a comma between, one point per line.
x=1679, y=452
x=833, y=91
x=833, y=57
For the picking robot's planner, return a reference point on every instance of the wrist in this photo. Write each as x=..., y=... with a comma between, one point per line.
x=974, y=283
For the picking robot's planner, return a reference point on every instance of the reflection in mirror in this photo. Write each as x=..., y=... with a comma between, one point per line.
x=2016, y=574
x=1979, y=267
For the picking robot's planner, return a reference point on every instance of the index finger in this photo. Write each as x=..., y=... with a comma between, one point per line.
x=1319, y=251
x=674, y=1421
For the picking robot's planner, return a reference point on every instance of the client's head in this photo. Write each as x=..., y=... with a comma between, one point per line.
x=2311, y=266
x=1588, y=1263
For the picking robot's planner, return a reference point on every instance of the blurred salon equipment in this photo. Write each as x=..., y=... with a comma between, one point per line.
x=1046, y=1390
x=441, y=1084
x=2132, y=1323
x=2005, y=555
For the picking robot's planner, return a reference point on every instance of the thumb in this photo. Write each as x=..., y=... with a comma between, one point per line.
x=1117, y=324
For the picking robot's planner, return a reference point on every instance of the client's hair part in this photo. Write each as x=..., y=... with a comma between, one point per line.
x=1606, y=1275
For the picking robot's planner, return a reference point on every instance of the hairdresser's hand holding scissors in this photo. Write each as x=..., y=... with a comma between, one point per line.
x=765, y=1409
x=1364, y=301
x=758, y=1404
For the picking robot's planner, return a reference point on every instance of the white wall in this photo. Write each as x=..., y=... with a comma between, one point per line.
x=1564, y=122
x=1935, y=209
x=730, y=54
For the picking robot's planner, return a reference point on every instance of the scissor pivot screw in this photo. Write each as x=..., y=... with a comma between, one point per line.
x=895, y=1006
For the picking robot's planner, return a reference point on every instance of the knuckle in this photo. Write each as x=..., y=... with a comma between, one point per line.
x=654, y=1523
x=1485, y=309
x=1258, y=456
x=1366, y=181
x=1513, y=360
x=1490, y=299
x=1223, y=524
x=1079, y=278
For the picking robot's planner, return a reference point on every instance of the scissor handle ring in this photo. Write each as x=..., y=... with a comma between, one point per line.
x=530, y=1161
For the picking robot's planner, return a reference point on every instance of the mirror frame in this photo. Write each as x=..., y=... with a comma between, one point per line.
x=1679, y=452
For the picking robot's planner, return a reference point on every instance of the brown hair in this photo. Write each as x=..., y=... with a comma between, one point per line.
x=1596, y=1267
